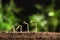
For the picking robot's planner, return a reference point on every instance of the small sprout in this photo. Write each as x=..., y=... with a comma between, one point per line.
x=20, y=28
x=13, y=29
x=35, y=25
x=27, y=26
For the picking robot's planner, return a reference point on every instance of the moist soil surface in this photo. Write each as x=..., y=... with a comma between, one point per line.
x=30, y=36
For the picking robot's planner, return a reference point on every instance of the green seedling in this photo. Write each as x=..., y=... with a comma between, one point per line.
x=35, y=25
x=27, y=25
x=14, y=30
x=20, y=26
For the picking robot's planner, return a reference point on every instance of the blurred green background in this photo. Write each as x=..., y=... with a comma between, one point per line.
x=45, y=13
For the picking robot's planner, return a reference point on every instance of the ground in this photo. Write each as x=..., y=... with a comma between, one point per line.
x=30, y=36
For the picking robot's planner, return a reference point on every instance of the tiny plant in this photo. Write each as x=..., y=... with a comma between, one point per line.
x=35, y=25
x=27, y=25
x=20, y=26
x=13, y=29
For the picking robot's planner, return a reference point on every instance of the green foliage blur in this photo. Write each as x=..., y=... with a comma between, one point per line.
x=47, y=20
x=7, y=17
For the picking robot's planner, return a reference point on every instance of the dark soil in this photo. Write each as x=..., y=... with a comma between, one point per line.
x=30, y=36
